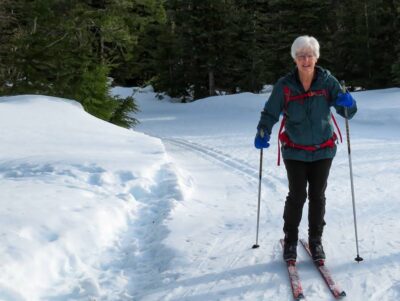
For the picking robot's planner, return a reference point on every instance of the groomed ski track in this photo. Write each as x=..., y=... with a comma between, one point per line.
x=216, y=262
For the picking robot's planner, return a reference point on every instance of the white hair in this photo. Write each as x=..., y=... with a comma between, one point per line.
x=305, y=42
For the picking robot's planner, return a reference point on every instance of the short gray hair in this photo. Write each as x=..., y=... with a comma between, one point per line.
x=305, y=42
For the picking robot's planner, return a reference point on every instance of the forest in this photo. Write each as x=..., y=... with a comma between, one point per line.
x=188, y=49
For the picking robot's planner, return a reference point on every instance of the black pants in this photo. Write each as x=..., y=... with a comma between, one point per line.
x=299, y=174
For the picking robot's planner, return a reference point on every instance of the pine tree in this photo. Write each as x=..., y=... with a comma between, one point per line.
x=65, y=48
x=364, y=41
x=122, y=115
x=168, y=64
x=350, y=56
x=383, y=30
x=396, y=64
x=145, y=19
x=289, y=19
x=201, y=31
x=42, y=60
x=9, y=33
x=252, y=44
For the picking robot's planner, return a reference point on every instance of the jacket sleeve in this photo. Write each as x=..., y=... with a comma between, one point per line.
x=334, y=89
x=272, y=109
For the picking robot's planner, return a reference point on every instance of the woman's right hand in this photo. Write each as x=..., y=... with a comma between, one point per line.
x=261, y=140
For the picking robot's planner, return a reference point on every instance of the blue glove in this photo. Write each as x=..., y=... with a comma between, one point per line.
x=345, y=100
x=261, y=140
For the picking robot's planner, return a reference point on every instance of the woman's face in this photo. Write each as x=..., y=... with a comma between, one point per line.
x=305, y=61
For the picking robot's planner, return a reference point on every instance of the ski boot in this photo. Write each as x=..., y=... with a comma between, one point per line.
x=317, y=251
x=290, y=251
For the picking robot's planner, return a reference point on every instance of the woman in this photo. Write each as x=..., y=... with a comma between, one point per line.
x=305, y=97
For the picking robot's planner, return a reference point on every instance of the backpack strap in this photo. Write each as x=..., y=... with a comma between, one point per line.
x=337, y=127
x=310, y=148
x=306, y=95
x=279, y=140
x=286, y=93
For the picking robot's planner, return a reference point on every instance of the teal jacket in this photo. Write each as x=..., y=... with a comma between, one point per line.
x=308, y=121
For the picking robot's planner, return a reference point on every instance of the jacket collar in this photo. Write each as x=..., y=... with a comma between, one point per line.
x=319, y=71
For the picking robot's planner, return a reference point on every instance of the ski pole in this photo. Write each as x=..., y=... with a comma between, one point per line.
x=256, y=245
x=358, y=258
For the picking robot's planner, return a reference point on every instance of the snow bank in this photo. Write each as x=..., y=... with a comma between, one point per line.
x=71, y=185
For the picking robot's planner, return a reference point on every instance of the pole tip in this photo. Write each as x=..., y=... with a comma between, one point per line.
x=358, y=258
x=255, y=246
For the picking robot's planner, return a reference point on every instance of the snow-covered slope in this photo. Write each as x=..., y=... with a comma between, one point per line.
x=75, y=192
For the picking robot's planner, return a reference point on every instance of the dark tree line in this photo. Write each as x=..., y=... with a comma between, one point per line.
x=239, y=45
x=187, y=48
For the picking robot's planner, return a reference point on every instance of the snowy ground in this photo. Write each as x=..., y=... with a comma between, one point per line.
x=90, y=211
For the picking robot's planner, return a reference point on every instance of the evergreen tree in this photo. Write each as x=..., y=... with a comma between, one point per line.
x=395, y=42
x=252, y=44
x=289, y=19
x=65, y=49
x=123, y=113
x=56, y=57
x=381, y=16
x=396, y=63
x=364, y=41
x=168, y=65
x=9, y=33
x=350, y=42
x=145, y=20
x=202, y=34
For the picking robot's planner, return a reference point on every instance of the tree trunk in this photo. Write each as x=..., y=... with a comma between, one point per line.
x=211, y=83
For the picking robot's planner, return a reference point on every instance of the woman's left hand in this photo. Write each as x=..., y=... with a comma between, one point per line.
x=345, y=100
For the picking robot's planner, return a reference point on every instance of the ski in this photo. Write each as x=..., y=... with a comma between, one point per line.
x=325, y=273
x=294, y=278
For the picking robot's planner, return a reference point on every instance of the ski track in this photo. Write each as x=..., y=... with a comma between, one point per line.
x=236, y=164
x=244, y=277
x=258, y=279
x=271, y=185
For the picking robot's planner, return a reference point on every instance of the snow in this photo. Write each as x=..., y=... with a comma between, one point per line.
x=91, y=211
